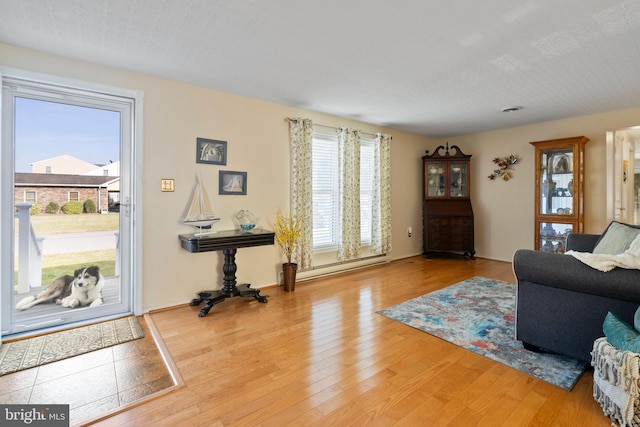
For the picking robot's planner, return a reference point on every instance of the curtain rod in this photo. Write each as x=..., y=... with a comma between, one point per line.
x=288, y=119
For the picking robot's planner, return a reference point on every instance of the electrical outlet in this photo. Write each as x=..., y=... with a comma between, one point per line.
x=409, y=232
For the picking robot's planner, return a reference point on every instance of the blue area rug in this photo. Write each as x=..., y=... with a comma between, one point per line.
x=478, y=315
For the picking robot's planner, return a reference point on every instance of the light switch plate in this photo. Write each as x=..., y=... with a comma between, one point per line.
x=167, y=185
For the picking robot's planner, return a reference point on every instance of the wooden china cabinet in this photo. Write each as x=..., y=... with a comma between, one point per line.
x=447, y=213
x=559, y=191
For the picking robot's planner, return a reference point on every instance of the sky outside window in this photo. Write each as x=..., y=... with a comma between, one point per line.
x=49, y=129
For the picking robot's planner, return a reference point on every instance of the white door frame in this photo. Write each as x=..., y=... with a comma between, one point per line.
x=133, y=249
x=619, y=195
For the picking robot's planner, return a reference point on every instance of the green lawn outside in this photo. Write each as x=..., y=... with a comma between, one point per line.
x=54, y=266
x=63, y=223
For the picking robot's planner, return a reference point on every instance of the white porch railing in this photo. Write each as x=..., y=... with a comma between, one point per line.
x=29, y=251
x=117, y=234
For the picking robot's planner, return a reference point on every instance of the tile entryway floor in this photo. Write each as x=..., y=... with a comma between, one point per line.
x=93, y=383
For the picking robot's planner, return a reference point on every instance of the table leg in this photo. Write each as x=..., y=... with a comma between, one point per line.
x=229, y=288
x=229, y=269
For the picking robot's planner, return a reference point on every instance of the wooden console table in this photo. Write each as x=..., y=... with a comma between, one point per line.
x=227, y=241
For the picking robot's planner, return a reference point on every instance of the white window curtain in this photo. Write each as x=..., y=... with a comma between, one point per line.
x=349, y=161
x=301, y=137
x=381, y=215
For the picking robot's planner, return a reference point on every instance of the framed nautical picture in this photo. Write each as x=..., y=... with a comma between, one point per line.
x=211, y=151
x=232, y=183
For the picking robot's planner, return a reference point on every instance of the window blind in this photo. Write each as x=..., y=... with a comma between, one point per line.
x=327, y=193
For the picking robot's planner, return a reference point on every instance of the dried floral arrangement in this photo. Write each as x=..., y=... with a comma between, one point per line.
x=287, y=230
x=505, y=165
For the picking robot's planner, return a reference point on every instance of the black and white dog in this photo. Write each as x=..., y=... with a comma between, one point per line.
x=84, y=288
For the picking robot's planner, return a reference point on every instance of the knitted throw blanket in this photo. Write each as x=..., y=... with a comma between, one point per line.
x=616, y=382
x=629, y=259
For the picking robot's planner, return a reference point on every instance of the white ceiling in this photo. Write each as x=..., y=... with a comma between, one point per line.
x=432, y=67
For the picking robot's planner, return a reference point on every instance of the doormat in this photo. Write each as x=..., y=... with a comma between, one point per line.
x=478, y=315
x=28, y=353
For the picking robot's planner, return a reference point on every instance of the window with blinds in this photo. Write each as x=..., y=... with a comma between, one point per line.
x=30, y=197
x=327, y=191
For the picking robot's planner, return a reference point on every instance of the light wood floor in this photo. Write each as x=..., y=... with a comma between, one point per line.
x=321, y=356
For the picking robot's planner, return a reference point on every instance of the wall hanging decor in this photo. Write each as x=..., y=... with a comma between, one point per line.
x=211, y=151
x=505, y=165
x=232, y=183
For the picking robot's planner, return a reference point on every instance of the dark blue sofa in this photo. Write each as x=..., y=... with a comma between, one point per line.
x=561, y=302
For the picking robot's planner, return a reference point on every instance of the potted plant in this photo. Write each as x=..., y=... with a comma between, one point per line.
x=287, y=230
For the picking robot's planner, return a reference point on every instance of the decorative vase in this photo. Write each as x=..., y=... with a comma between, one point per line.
x=570, y=187
x=247, y=220
x=289, y=270
x=548, y=230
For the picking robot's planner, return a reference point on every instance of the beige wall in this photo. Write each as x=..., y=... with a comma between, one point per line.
x=175, y=114
x=504, y=210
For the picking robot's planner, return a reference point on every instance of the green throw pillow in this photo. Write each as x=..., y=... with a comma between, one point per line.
x=621, y=335
x=616, y=239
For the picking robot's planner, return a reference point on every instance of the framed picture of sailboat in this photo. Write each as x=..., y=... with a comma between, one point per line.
x=232, y=183
x=211, y=151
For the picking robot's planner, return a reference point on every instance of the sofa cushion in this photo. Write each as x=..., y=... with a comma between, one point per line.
x=616, y=239
x=621, y=335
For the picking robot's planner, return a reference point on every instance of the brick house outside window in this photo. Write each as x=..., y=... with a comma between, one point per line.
x=61, y=188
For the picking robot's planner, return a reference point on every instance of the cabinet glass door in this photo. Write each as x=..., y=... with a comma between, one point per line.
x=458, y=180
x=553, y=236
x=435, y=179
x=556, y=179
x=559, y=177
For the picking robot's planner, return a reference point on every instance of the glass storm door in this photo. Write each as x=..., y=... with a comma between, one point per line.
x=67, y=165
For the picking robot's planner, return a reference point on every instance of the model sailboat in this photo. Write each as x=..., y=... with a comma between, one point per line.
x=200, y=214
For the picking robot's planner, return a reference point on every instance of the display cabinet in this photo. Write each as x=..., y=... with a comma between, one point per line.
x=447, y=212
x=559, y=191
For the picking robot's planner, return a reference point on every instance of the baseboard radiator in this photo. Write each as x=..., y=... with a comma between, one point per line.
x=318, y=271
